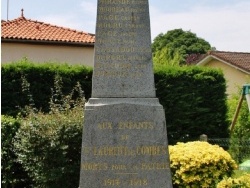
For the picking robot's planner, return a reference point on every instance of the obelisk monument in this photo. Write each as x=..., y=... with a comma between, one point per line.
x=124, y=140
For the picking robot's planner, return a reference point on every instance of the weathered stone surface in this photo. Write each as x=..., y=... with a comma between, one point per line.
x=124, y=144
x=123, y=58
x=124, y=134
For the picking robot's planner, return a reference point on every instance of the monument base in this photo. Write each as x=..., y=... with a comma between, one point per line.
x=124, y=144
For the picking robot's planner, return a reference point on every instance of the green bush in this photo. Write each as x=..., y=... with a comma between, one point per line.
x=40, y=76
x=12, y=172
x=49, y=145
x=239, y=137
x=241, y=182
x=199, y=164
x=194, y=100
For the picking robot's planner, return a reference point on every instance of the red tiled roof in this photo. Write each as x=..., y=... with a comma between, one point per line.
x=26, y=29
x=240, y=60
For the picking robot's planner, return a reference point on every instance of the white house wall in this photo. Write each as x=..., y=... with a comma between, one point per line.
x=43, y=53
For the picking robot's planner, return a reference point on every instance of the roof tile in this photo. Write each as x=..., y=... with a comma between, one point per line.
x=238, y=59
x=27, y=29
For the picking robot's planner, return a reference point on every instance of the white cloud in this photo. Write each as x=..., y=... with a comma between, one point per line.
x=225, y=28
x=89, y=7
x=61, y=20
x=82, y=20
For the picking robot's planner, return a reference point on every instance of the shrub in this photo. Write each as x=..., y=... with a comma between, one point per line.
x=193, y=97
x=12, y=172
x=199, y=164
x=241, y=182
x=49, y=145
x=239, y=138
x=194, y=100
x=40, y=76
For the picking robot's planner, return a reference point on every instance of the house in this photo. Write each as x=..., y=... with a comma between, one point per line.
x=235, y=66
x=40, y=42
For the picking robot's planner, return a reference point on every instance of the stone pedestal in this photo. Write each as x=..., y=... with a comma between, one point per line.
x=124, y=144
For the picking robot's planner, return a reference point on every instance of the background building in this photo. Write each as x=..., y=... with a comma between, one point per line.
x=235, y=66
x=40, y=42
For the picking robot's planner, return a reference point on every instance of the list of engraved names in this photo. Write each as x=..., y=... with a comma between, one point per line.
x=120, y=25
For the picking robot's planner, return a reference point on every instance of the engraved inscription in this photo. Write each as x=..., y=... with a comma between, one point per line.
x=114, y=19
x=135, y=125
x=118, y=18
x=91, y=166
x=111, y=182
x=118, y=167
x=120, y=9
x=127, y=125
x=123, y=142
x=124, y=137
x=105, y=125
x=95, y=166
x=138, y=182
x=125, y=151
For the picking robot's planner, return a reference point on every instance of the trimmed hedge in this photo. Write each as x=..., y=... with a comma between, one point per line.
x=41, y=79
x=194, y=99
x=48, y=145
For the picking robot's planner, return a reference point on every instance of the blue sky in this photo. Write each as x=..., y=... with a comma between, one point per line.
x=225, y=24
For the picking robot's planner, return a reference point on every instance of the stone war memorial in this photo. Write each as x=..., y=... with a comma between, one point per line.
x=124, y=141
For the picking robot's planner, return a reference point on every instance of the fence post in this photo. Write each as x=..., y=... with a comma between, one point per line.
x=203, y=138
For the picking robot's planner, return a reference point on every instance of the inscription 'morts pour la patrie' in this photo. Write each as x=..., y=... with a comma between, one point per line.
x=123, y=50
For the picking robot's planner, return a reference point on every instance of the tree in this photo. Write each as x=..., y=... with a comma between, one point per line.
x=173, y=47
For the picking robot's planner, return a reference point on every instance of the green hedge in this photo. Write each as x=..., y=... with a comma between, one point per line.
x=41, y=79
x=194, y=100
x=47, y=146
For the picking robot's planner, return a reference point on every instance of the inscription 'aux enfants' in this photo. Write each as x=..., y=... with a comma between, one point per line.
x=123, y=126
x=127, y=125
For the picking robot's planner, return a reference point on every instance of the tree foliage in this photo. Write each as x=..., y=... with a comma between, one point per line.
x=174, y=46
x=239, y=147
